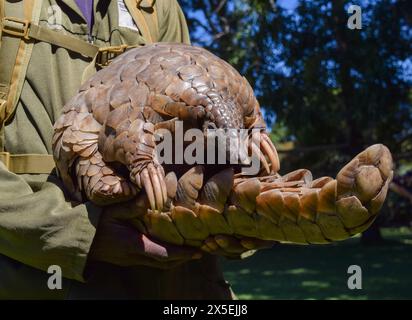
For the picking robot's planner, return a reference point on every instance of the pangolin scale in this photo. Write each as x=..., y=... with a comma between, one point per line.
x=104, y=151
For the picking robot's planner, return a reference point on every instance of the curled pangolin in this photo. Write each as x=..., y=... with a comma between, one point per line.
x=104, y=151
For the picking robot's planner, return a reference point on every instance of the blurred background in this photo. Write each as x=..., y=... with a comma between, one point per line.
x=327, y=92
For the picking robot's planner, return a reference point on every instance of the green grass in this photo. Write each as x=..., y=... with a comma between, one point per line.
x=320, y=272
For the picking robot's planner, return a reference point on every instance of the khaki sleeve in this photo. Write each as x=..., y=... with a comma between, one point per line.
x=39, y=227
x=172, y=22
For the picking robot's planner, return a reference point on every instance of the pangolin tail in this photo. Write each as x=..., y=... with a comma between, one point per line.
x=290, y=208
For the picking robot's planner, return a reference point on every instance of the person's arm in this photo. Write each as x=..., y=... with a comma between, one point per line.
x=172, y=22
x=39, y=227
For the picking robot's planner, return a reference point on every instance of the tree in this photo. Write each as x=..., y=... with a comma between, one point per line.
x=331, y=90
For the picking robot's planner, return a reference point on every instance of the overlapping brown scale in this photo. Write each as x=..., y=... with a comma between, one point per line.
x=192, y=98
x=69, y=137
x=216, y=190
x=162, y=55
x=320, y=182
x=176, y=88
x=292, y=203
x=160, y=225
x=118, y=144
x=112, y=76
x=293, y=233
x=267, y=229
x=216, y=72
x=385, y=163
x=189, y=224
x=214, y=220
x=308, y=204
x=93, y=181
x=352, y=212
x=368, y=183
x=270, y=205
x=108, y=150
x=332, y=226
x=172, y=61
x=245, y=194
x=88, y=151
x=327, y=197
x=188, y=188
x=101, y=106
x=117, y=116
x=376, y=203
x=68, y=119
x=81, y=169
x=138, y=95
x=89, y=124
x=133, y=68
x=346, y=177
x=311, y=231
x=190, y=72
x=241, y=222
x=119, y=93
x=159, y=80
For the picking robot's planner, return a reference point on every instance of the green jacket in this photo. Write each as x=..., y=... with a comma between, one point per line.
x=39, y=226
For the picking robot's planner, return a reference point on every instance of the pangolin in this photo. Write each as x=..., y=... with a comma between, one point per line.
x=104, y=148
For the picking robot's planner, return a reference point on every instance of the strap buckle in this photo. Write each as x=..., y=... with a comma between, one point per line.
x=5, y=158
x=16, y=27
x=2, y=106
x=107, y=54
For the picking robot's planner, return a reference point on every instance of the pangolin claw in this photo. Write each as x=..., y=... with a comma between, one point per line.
x=152, y=179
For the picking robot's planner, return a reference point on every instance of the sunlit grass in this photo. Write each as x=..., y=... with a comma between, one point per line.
x=320, y=272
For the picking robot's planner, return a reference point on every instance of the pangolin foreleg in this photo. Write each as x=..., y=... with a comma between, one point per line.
x=262, y=147
x=100, y=182
x=81, y=164
x=131, y=142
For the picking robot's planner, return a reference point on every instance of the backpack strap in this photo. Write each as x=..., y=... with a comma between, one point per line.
x=144, y=14
x=29, y=30
x=28, y=163
x=15, y=54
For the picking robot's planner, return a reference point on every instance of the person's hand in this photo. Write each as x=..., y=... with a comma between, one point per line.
x=118, y=241
x=232, y=247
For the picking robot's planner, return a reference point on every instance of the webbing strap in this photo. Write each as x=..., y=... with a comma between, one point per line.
x=14, y=55
x=28, y=163
x=136, y=7
x=29, y=30
x=1, y=14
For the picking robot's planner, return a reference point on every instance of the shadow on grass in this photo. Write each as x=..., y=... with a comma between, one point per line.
x=320, y=272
